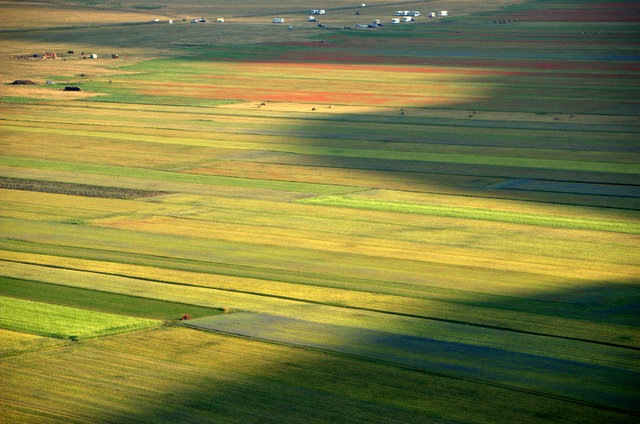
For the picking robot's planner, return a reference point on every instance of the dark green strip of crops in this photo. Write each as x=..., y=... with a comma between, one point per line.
x=100, y=301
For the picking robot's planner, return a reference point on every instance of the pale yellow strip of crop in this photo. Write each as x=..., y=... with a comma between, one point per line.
x=17, y=15
x=14, y=342
x=469, y=256
x=46, y=206
x=219, y=209
x=435, y=233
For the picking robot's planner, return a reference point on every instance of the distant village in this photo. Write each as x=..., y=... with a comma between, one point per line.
x=314, y=16
x=54, y=55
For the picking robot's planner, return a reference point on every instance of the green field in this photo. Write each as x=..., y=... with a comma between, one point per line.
x=434, y=221
x=63, y=322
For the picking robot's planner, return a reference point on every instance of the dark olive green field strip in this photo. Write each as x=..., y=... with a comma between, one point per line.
x=100, y=301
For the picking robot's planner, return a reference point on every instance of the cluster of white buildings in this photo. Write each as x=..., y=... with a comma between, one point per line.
x=441, y=14
x=410, y=15
x=402, y=16
x=407, y=13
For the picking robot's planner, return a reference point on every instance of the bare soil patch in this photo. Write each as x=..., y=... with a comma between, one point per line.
x=85, y=190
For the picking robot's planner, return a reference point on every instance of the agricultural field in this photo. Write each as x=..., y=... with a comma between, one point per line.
x=434, y=221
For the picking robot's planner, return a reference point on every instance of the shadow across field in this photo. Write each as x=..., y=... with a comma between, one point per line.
x=518, y=364
x=331, y=372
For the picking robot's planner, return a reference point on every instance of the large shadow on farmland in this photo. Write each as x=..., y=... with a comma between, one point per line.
x=376, y=376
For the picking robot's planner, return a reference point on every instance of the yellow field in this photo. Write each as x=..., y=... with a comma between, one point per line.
x=211, y=372
x=14, y=343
